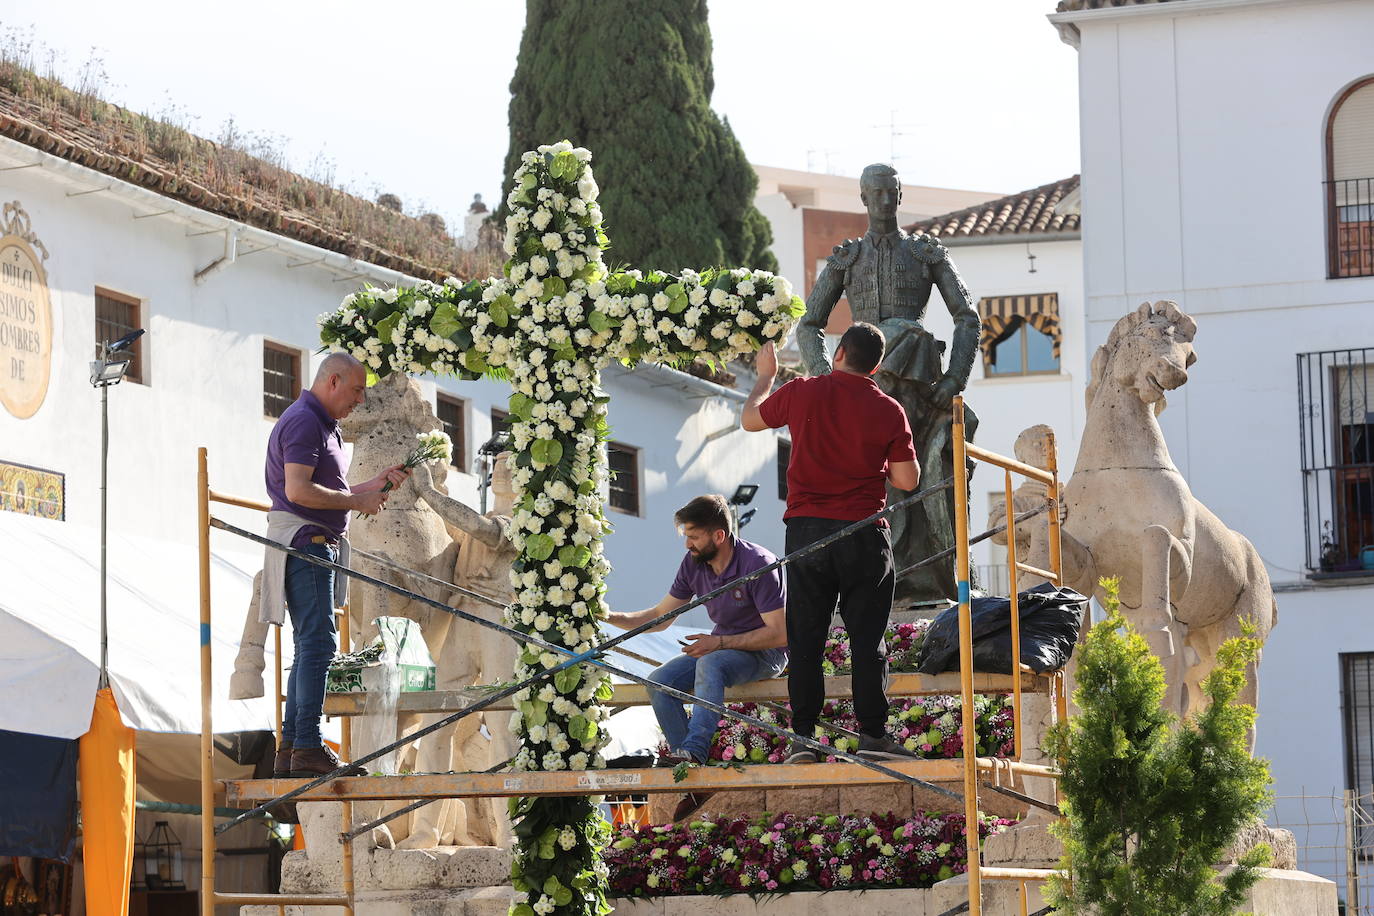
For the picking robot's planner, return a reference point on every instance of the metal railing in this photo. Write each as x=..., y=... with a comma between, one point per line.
x=1336, y=438
x=1350, y=227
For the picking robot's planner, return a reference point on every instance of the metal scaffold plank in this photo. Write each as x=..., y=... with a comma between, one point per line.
x=772, y=690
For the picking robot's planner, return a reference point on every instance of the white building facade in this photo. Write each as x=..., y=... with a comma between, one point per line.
x=217, y=347
x=1227, y=154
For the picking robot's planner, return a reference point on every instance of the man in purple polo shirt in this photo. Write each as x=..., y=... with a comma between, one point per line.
x=747, y=643
x=311, y=499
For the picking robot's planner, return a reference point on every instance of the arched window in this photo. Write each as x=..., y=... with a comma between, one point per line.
x=1350, y=182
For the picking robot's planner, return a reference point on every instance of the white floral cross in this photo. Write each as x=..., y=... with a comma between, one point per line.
x=549, y=326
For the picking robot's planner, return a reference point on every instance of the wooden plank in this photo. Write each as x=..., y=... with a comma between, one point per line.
x=773, y=690
x=589, y=782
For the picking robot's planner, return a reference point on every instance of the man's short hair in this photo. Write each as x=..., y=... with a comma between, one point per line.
x=871, y=174
x=336, y=363
x=710, y=512
x=863, y=347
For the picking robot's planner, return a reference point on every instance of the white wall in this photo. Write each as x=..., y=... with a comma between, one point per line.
x=1203, y=159
x=203, y=362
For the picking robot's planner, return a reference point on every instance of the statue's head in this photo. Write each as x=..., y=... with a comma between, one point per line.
x=1148, y=352
x=394, y=401
x=880, y=189
x=1033, y=446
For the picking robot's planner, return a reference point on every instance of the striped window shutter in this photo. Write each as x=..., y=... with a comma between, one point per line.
x=1001, y=314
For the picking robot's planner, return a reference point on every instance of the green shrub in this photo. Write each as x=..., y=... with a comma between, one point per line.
x=1151, y=804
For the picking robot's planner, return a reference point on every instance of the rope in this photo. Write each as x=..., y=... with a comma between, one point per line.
x=591, y=657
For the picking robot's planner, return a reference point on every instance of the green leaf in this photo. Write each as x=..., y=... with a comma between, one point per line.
x=522, y=406
x=680, y=771
x=565, y=165
x=539, y=546
x=475, y=361
x=539, y=713
x=577, y=727
x=566, y=681
x=522, y=909
x=598, y=322
x=553, y=286
x=546, y=452
x=499, y=316
x=574, y=555
x=796, y=308
x=380, y=309
x=386, y=326
x=605, y=691
x=445, y=321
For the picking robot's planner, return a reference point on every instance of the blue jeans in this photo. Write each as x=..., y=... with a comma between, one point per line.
x=310, y=601
x=706, y=677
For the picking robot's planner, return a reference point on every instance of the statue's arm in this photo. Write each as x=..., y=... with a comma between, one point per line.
x=460, y=516
x=964, y=347
x=811, y=330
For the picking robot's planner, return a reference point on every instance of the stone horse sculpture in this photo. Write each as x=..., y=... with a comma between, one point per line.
x=1188, y=582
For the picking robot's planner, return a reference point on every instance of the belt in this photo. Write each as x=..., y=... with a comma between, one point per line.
x=321, y=539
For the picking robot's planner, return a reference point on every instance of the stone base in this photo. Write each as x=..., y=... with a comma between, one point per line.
x=1029, y=845
x=447, y=881
x=1278, y=893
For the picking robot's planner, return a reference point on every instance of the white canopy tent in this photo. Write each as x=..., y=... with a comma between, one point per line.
x=50, y=634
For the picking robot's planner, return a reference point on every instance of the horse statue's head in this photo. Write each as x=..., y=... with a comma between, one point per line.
x=389, y=420
x=1148, y=353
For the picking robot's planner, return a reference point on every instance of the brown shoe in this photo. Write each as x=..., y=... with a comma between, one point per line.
x=691, y=803
x=309, y=762
x=281, y=764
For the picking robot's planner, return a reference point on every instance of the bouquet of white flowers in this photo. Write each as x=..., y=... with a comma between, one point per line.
x=434, y=445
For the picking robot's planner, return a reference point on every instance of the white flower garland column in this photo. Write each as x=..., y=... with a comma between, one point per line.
x=548, y=327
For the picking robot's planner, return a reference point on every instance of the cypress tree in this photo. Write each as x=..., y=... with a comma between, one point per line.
x=1151, y=804
x=632, y=82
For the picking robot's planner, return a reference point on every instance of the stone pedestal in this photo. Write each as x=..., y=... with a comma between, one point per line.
x=445, y=881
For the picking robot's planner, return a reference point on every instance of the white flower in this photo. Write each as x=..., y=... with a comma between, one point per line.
x=717, y=297
x=539, y=265
x=552, y=241
x=540, y=219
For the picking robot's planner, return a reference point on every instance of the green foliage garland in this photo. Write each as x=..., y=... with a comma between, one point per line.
x=1151, y=805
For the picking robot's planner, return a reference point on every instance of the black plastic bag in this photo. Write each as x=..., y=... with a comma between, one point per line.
x=1050, y=620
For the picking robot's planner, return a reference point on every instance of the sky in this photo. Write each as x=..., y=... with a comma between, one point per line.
x=411, y=97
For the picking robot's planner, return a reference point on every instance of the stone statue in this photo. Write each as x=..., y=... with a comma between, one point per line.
x=1188, y=583
x=473, y=654
x=887, y=276
x=1031, y=448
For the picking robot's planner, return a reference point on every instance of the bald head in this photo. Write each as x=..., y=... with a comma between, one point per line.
x=340, y=384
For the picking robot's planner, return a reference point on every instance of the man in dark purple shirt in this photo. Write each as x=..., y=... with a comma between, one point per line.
x=311, y=499
x=747, y=643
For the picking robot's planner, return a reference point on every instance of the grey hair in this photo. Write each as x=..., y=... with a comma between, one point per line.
x=337, y=363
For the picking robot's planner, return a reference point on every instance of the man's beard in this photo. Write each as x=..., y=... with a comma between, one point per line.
x=704, y=555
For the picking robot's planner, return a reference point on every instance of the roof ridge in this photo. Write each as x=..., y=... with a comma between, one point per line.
x=1032, y=210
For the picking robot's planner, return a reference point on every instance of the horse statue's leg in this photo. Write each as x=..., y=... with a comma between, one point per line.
x=246, y=681
x=1166, y=635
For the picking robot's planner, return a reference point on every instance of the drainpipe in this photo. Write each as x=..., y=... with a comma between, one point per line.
x=231, y=251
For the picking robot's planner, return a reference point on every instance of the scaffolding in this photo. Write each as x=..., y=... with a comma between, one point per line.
x=421, y=788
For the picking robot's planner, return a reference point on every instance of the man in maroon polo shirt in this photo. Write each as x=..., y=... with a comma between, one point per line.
x=848, y=439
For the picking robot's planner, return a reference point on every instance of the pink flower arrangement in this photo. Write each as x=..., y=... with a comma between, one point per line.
x=787, y=852
x=903, y=641
x=928, y=726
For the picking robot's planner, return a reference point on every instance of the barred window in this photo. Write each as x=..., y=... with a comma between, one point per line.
x=281, y=377
x=623, y=461
x=1350, y=182
x=452, y=413
x=115, y=316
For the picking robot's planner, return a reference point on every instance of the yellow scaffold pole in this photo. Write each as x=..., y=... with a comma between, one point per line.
x=961, y=575
x=207, y=747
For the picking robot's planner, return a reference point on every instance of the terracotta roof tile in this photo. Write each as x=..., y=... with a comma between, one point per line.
x=1071, y=6
x=257, y=193
x=1032, y=211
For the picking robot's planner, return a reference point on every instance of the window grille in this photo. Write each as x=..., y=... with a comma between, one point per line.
x=115, y=316
x=281, y=378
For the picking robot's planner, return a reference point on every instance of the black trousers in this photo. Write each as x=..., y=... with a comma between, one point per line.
x=856, y=572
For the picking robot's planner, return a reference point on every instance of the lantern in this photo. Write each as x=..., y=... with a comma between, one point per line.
x=137, y=874
x=162, y=859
